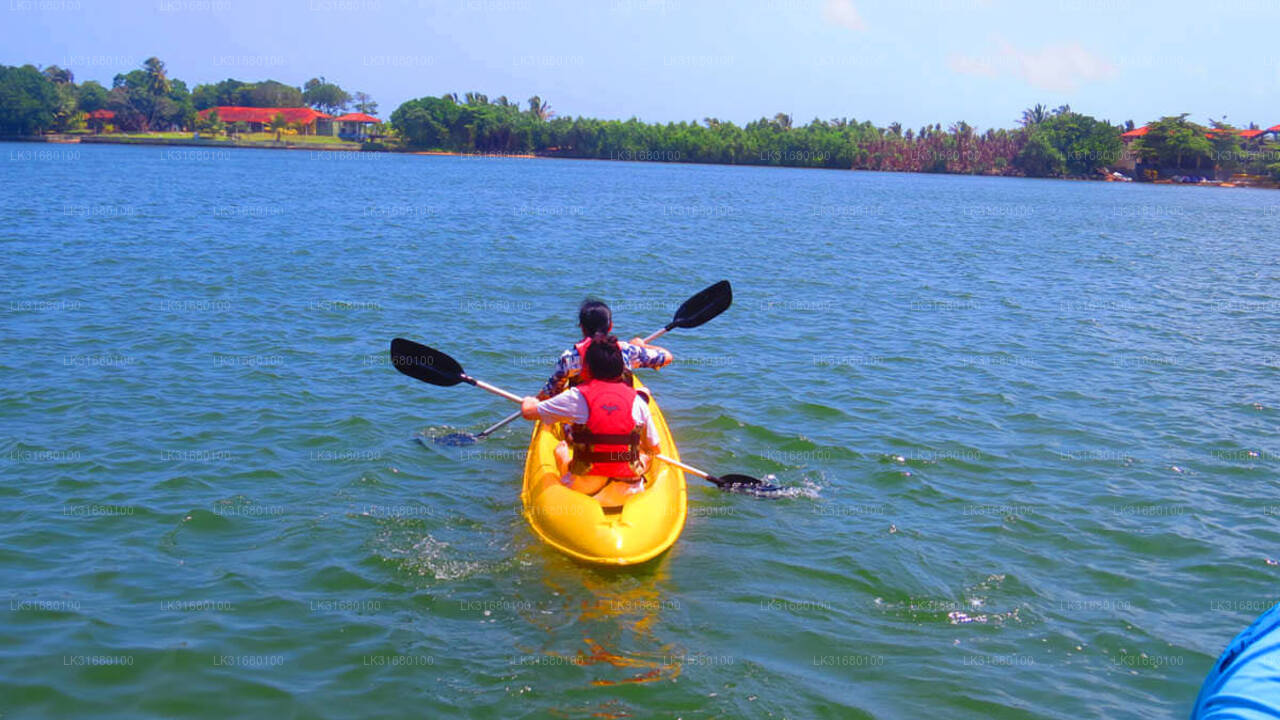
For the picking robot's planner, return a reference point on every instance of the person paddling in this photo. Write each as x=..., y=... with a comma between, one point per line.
x=611, y=439
x=595, y=317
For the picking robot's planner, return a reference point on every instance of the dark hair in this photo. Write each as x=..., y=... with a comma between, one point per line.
x=594, y=317
x=604, y=357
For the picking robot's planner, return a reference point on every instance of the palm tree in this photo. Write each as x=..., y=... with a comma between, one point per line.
x=1035, y=115
x=782, y=120
x=475, y=98
x=157, y=77
x=540, y=109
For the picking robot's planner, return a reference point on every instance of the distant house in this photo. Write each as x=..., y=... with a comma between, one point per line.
x=1134, y=134
x=1128, y=160
x=1249, y=135
x=97, y=118
x=355, y=126
x=309, y=122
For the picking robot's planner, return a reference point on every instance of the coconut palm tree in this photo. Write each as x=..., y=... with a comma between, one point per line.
x=157, y=77
x=1034, y=115
x=540, y=109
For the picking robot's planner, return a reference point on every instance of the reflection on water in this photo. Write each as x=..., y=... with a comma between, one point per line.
x=604, y=623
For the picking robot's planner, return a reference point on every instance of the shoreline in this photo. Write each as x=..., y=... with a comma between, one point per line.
x=358, y=148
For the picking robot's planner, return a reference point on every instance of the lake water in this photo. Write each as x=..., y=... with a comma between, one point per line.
x=1030, y=430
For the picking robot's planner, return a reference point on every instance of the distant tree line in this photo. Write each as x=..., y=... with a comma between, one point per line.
x=1046, y=143
x=1049, y=143
x=34, y=100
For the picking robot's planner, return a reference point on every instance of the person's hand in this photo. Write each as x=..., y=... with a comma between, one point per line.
x=529, y=408
x=638, y=341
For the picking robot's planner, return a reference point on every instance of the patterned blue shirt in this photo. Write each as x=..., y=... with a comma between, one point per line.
x=569, y=366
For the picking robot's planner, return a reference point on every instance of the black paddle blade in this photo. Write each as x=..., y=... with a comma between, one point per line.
x=745, y=484
x=703, y=306
x=426, y=364
x=455, y=439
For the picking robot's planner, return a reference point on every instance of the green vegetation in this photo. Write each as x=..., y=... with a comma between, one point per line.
x=28, y=100
x=325, y=96
x=1067, y=142
x=148, y=99
x=267, y=93
x=478, y=125
x=1174, y=142
x=1048, y=143
x=34, y=101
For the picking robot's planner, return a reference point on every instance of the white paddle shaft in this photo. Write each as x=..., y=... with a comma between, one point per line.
x=682, y=466
x=498, y=391
x=655, y=336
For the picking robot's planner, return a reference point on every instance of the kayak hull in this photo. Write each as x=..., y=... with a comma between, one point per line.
x=575, y=524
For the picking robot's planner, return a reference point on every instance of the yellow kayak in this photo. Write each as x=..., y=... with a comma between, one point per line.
x=576, y=525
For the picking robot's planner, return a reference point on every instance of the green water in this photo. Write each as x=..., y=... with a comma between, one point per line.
x=1029, y=431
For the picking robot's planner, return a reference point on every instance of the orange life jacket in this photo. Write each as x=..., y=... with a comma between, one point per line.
x=608, y=444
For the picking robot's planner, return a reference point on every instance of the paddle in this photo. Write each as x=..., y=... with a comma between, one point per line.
x=695, y=311
x=432, y=366
x=724, y=482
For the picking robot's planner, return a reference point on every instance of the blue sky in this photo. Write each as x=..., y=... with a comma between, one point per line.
x=914, y=61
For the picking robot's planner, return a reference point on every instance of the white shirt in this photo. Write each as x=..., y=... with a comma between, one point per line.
x=571, y=406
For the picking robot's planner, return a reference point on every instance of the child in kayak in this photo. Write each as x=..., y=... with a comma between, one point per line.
x=610, y=439
x=595, y=317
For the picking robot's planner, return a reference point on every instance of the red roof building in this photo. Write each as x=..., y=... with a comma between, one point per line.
x=355, y=126
x=310, y=120
x=1246, y=134
x=101, y=115
x=357, y=118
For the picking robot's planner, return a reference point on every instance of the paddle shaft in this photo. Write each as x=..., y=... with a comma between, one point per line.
x=495, y=390
x=686, y=468
x=655, y=336
x=494, y=428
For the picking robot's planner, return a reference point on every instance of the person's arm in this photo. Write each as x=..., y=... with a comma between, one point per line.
x=640, y=355
x=559, y=377
x=650, y=441
x=568, y=406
